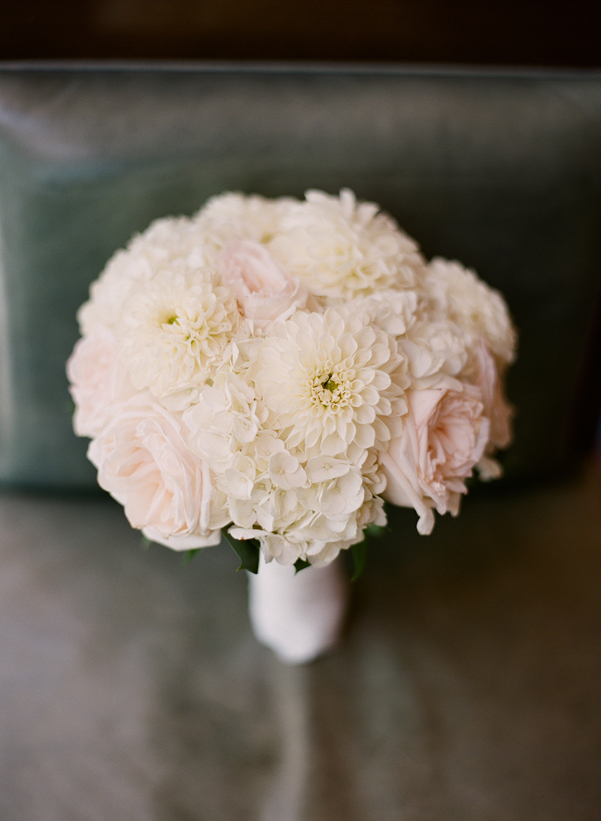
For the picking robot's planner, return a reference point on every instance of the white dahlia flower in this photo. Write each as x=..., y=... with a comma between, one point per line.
x=342, y=248
x=463, y=298
x=166, y=242
x=177, y=330
x=331, y=382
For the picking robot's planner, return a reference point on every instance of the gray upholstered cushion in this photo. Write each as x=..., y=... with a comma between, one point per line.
x=501, y=171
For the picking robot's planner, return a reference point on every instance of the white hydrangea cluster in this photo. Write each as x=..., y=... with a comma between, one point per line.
x=280, y=368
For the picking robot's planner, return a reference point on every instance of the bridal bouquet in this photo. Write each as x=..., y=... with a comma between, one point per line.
x=277, y=369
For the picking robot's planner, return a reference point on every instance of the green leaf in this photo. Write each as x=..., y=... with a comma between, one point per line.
x=300, y=564
x=189, y=555
x=144, y=542
x=247, y=550
x=359, y=552
x=376, y=531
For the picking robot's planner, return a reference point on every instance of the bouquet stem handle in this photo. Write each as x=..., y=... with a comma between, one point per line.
x=300, y=615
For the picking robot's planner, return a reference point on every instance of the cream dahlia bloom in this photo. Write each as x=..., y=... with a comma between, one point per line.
x=332, y=382
x=343, y=248
x=177, y=331
x=165, y=243
x=461, y=297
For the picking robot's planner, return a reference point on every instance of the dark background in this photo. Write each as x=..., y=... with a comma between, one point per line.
x=485, y=32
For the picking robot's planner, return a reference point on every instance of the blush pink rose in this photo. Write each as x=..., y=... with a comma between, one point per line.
x=483, y=372
x=98, y=380
x=496, y=406
x=444, y=435
x=144, y=463
x=264, y=290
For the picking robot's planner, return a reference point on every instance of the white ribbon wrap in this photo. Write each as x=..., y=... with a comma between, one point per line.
x=300, y=615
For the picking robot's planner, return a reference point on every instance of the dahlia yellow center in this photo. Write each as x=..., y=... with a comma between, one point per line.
x=325, y=380
x=177, y=330
x=330, y=389
x=190, y=330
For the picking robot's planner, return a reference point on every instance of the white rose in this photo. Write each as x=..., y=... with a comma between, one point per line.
x=233, y=216
x=98, y=380
x=264, y=290
x=144, y=463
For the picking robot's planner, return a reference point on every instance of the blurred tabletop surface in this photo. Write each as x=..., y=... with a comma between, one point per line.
x=467, y=686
